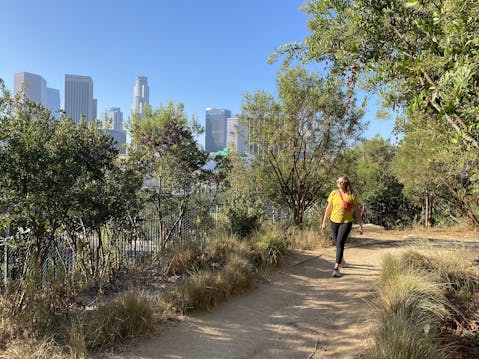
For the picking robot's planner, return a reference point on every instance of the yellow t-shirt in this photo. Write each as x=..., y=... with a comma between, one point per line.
x=339, y=214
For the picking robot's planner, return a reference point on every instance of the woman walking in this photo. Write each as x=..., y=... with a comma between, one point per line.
x=342, y=202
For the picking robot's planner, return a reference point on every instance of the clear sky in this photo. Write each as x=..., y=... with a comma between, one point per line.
x=203, y=53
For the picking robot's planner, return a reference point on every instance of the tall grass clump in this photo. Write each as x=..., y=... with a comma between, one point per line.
x=206, y=289
x=184, y=260
x=403, y=287
x=399, y=337
x=419, y=295
x=450, y=264
x=46, y=348
x=269, y=246
x=306, y=239
x=222, y=246
x=128, y=315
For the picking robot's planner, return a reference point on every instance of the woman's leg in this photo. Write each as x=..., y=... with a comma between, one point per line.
x=341, y=236
x=335, y=229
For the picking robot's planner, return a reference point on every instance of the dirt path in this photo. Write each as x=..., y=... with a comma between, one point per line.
x=302, y=312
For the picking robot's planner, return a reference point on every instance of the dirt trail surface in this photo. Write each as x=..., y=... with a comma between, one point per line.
x=301, y=312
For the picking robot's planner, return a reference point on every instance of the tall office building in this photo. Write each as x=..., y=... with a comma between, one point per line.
x=215, y=136
x=79, y=99
x=34, y=87
x=141, y=95
x=235, y=134
x=112, y=119
x=53, y=101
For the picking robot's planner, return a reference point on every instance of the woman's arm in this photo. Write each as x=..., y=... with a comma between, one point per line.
x=359, y=218
x=327, y=213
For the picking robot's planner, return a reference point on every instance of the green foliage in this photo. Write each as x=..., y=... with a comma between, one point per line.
x=397, y=337
x=420, y=54
x=163, y=146
x=58, y=178
x=163, y=143
x=244, y=220
x=297, y=138
x=432, y=168
x=382, y=199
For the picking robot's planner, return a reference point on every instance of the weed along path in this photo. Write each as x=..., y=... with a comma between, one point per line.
x=300, y=312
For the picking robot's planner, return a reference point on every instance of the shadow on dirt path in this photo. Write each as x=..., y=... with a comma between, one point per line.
x=301, y=312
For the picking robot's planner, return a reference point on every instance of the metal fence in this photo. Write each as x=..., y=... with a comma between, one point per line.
x=150, y=236
x=152, y=233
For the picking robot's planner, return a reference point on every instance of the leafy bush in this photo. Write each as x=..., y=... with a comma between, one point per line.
x=243, y=220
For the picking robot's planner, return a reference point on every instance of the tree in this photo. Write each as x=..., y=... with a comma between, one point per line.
x=56, y=177
x=381, y=193
x=164, y=146
x=296, y=140
x=420, y=53
x=437, y=173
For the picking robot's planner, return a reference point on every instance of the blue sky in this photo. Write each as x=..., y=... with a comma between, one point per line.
x=203, y=53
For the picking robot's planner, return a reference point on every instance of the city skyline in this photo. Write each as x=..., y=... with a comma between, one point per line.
x=202, y=54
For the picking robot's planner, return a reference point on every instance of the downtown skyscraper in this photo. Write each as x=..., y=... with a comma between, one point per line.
x=79, y=101
x=112, y=120
x=216, y=129
x=141, y=96
x=35, y=88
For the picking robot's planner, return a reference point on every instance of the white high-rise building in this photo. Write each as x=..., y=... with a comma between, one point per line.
x=79, y=101
x=34, y=87
x=112, y=119
x=141, y=95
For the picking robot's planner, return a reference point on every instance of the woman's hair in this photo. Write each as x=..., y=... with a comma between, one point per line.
x=345, y=179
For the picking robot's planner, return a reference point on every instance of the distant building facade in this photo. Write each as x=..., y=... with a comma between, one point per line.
x=235, y=135
x=215, y=129
x=34, y=87
x=141, y=96
x=112, y=119
x=79, y=101
x=53, y=101
x=119, y=138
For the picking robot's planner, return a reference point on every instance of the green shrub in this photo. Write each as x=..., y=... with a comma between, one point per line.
x=243, y=220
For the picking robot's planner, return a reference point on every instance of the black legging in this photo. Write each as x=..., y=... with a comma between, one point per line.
x=340, y=234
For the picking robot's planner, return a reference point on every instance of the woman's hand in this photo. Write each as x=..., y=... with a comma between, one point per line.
x=323, y=226
x=360, y=229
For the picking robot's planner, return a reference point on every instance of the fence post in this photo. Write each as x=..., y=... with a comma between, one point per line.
x=5, y=256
